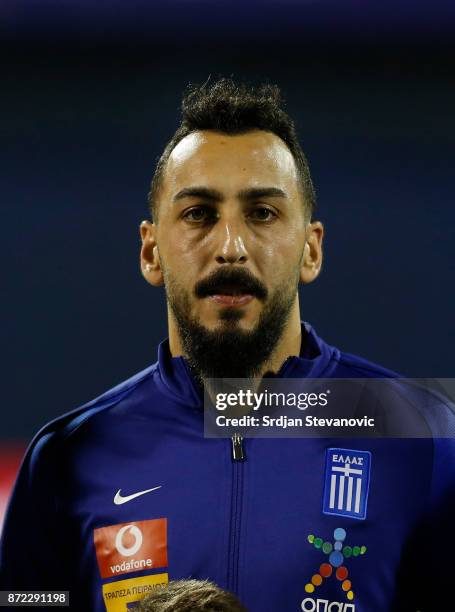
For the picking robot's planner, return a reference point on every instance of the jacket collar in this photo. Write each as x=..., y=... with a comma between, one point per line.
x=313, y=361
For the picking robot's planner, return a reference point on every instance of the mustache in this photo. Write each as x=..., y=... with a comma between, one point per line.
x=227, y=280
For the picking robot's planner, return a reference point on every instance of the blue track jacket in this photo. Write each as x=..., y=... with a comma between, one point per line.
x=125, y=493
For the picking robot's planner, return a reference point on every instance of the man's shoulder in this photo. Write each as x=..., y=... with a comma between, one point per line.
x=426, y=409
x=60, y=428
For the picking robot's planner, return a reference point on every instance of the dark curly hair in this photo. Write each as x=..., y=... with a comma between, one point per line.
x=236, y=108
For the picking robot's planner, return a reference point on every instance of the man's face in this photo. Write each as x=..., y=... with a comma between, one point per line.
x=231, y=231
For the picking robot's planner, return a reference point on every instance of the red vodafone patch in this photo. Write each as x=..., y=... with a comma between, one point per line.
x=131, y=547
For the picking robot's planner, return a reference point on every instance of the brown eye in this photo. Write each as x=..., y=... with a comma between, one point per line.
x=198, y=214
x=262, y=213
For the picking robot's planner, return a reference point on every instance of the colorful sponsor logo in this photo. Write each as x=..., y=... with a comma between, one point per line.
x=324, y=605
x=347, y=482
x=337, y=553
x=131, y=547
x=121, y=595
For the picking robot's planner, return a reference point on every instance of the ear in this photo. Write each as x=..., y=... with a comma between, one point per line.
x=312, y=254
x=150, y=258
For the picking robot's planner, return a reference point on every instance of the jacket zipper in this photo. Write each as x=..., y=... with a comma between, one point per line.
x=238, y=458
x=237, y=448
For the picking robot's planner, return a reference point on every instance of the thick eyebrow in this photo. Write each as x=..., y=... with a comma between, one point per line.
x=216, y=196
x=262, y=192
x=198, y=192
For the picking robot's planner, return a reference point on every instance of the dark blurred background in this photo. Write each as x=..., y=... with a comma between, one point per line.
x=89, y=96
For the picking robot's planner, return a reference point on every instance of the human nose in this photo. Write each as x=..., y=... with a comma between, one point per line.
x=231, y=243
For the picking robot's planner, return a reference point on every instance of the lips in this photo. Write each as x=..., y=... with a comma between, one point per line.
x=230, y=300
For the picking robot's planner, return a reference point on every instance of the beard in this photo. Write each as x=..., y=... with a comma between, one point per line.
x=231, y=352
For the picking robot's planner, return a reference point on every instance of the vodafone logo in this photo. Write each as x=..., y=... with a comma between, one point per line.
x=133, y=540
x=131, y=547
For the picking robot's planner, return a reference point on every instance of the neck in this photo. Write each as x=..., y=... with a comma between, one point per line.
x=289, y=344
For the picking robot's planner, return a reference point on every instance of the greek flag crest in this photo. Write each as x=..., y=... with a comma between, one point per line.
x=347, y=482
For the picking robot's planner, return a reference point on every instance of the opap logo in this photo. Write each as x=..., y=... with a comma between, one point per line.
x=337, y=553
x=323, y=605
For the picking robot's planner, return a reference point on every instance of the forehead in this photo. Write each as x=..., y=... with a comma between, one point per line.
x=225, y=162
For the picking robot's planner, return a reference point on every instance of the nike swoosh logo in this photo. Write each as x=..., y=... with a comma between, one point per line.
x=119, y=499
